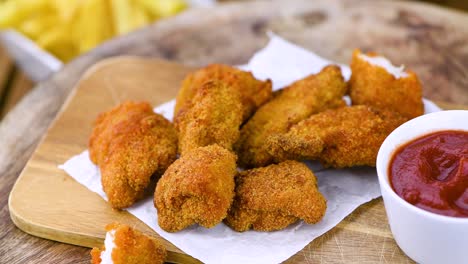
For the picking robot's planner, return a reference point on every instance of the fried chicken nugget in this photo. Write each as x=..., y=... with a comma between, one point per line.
x=111, y=124
x=130, y=143
x=253, y=92
x=296, y=102
x=271, y=198
x=125, y=245
x=198, y=188
x=342, y=137
x=213, y=117
x=376, y=86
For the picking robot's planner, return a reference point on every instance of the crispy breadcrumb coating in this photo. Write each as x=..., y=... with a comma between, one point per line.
x=131, y=247
x=213, y=117
x=198, y=188
x=374, y=86
x=296, y=102
x=111, y=124
x=271, y=198
x=130, y=143
x=342, y=137
x=253, y=92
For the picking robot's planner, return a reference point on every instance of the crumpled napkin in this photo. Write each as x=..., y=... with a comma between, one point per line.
x=345, y=189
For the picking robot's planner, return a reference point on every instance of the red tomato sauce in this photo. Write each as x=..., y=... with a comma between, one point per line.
x=431, y=172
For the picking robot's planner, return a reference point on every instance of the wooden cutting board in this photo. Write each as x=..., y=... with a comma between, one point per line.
x=46, y=202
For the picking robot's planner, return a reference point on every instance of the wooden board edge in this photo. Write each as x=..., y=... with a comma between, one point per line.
x=45, y=232
x=76, y=238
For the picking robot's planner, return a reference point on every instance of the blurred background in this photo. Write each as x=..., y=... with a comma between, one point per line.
x=61, y=30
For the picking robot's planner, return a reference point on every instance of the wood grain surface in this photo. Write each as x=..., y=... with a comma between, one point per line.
x=7, y=68
x=14, y=84
x=20, y=85
x=430, y=40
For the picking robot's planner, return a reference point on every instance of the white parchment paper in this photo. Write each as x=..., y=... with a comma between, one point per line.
x=345, y=190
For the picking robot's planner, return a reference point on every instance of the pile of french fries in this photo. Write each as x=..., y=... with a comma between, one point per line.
x=67, y=28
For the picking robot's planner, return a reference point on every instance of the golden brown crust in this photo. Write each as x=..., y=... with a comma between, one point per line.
x=273, y=197
x=96, y=256
x=296, y=102
x=253, y=93
x=113, y=123
x=373, y=86
x=198, y=188
x=132, y=247
x=213, y=117
x=342, y=137
x=130, y=143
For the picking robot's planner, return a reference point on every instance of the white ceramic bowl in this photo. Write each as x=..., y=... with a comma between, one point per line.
x=424, y=236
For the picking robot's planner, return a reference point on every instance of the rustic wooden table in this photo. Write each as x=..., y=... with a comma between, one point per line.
x=430, y=40
x=14, y=84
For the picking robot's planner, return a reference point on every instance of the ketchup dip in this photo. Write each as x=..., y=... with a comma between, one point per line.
x=431, y=172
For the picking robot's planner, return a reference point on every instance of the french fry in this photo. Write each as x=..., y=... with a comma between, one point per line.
x=163, y=8
x=13, y=12
x=66, y=9
x=108, y=28
x=93, y=25
x=67, y=28
x=122, y=12
x=140, y=17
x=58, y=41
x=37, y=25
x=65, y=51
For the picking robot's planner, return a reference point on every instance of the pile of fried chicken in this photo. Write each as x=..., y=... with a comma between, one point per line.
x=224, y=118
